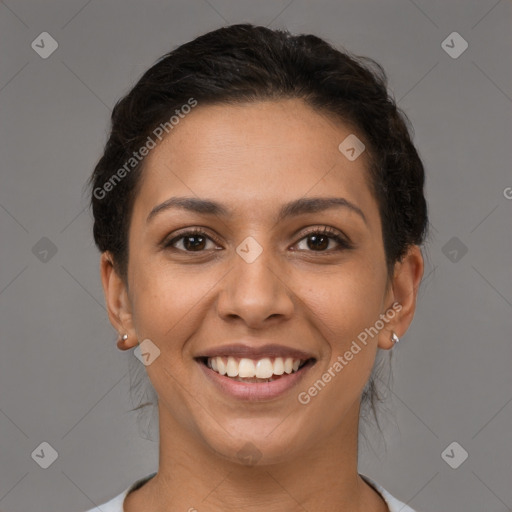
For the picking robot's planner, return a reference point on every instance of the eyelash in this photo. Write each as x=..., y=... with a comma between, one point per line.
x=332, y=234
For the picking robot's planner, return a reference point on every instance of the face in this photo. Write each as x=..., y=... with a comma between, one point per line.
x=259, y=273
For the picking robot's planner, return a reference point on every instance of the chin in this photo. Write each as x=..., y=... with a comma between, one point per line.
x=254, y=442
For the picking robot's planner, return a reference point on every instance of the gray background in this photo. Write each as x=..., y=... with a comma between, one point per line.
x=62, y=379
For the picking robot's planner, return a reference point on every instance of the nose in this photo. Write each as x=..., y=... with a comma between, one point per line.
x=256, y=293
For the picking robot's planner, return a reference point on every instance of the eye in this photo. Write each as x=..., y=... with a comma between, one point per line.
x=320, y=239
x=193, y=240
x=316, y=240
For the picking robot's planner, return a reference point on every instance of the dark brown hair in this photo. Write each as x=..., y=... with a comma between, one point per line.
x=244, y=63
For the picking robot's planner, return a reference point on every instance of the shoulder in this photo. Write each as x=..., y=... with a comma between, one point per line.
x=116, y=504
x=393, y=503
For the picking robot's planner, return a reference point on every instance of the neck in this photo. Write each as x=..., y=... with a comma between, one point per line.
x=192, y=477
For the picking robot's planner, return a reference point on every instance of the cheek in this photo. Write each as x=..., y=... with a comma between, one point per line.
x=346, y=300
x=342, y=306
x=166, y=300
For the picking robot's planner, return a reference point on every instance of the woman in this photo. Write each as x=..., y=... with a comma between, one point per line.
x=259, y=208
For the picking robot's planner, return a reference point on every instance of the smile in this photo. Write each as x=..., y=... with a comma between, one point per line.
x=281, y=376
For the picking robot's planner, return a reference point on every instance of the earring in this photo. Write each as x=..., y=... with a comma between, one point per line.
x=395, y=338
x=124, y=337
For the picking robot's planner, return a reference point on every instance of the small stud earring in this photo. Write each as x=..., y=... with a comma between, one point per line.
x=124, y=337
x=395, y=338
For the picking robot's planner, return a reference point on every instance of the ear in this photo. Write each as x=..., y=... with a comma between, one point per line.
x=118, y=302
x=402, y=294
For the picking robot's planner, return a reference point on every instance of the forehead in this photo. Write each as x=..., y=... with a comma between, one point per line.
x=252, y=155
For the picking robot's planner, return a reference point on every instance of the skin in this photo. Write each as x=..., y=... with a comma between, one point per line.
x=253, y=158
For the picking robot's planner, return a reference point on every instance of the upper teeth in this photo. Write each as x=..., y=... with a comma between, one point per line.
x=261, y=368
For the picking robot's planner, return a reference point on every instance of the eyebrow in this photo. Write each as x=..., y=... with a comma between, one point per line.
x=291, y=209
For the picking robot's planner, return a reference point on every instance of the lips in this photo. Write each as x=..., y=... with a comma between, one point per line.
x=255, y=373
x=241, y=350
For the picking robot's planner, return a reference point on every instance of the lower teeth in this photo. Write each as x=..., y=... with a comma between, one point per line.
x=255, y=379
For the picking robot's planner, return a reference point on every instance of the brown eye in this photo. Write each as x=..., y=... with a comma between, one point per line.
x=322, y=240
x=318, y=242
x=191, y=241
x=194, y=242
